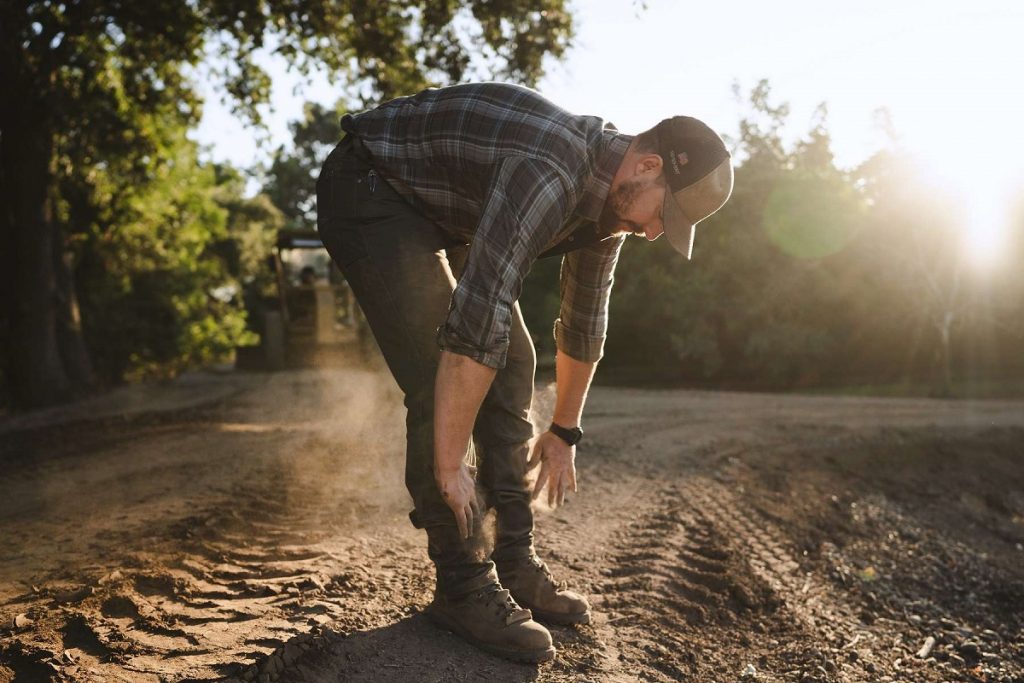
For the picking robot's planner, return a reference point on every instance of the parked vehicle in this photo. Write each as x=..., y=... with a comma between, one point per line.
x=313, y=319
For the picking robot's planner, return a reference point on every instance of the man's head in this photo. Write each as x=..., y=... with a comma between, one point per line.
x=671, y=177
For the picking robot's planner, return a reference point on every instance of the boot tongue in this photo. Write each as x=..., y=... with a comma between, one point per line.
x=518, y=616
x=514, y=614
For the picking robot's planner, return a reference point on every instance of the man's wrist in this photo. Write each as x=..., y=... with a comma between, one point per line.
x=570, y=435
x=447, y=468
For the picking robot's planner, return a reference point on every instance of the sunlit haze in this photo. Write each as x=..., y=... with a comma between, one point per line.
x=948, y=73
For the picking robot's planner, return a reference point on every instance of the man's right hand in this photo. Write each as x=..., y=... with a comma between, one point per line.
x=458, y=488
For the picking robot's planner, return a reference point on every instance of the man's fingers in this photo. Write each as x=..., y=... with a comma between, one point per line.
x=541, y=478
x=572, y=478
x=469, y=520
x=552, y=491
x=474, y=509
x=460, y=519
x=535, y=458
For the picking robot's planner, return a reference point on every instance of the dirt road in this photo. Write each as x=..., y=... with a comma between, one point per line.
x=253, y=527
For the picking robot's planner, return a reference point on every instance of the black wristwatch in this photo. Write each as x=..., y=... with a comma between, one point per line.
x=571, y=436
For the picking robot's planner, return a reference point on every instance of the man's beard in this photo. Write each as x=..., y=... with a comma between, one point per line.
x=617, y=203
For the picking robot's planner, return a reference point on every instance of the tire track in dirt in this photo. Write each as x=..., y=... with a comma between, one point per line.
x=259, y=564
x=220, y=590
x=249, y=529
x=698, y=562
x=816, y=606
x=668, y=577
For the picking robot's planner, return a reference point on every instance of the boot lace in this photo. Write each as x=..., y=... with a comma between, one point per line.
x=538, y=566
x=502, y=603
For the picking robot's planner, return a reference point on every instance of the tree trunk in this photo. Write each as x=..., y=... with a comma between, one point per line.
x=34, y=364
x=70, y=342
x=945, y=334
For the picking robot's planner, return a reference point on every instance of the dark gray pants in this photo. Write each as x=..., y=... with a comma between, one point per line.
x=402, y=269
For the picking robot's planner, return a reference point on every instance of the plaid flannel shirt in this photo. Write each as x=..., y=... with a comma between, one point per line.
x=501, y=168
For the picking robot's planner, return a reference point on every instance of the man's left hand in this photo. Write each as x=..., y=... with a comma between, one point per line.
x=557, y=461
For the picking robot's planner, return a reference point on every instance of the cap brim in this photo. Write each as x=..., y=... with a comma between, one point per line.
x=701, y=199
x=679, y=229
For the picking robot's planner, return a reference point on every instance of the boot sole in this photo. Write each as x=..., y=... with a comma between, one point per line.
x=561, y=619
x=526, y=657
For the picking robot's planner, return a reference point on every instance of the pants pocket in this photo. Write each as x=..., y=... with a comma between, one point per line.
x=337, y=194
x=340, y=190
x=377, y=199
x=343, y=240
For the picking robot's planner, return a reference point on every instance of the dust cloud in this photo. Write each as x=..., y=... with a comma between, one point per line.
x=541, y=410
x=333, y=442
x=540, y=416
x=345, y=446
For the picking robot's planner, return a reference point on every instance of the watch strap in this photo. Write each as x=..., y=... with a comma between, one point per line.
x=570, y=435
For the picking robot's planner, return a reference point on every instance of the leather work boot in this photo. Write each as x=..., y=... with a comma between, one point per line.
x=491, y=620
x=531, y=584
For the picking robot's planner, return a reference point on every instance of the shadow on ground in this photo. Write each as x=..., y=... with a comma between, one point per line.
x=411, y=649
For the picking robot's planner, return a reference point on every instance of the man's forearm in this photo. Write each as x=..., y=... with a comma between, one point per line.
x=573, y=381
x=459, y=390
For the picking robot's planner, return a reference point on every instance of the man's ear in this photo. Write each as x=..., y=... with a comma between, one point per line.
x=649, y=164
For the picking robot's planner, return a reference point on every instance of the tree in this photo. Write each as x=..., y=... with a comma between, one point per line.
x=84, y=83
x=760, y=301
x=160, y=279
x=816, y=275
x=289, y=184
x=926, y=299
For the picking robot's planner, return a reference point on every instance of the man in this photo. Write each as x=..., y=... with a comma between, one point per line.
x=434, y=207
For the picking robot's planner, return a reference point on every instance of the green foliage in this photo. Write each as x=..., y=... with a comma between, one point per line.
x=291, y=177
x=157, y=294
x=815, y=275
x=97, y=98
x=252, y=226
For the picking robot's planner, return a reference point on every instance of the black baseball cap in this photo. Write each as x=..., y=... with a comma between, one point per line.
x=699, y=175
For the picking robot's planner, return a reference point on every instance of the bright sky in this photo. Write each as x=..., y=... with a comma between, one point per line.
x=950, y=72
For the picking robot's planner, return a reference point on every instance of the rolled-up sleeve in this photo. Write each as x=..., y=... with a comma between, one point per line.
x=586, y=282
x=525, y=207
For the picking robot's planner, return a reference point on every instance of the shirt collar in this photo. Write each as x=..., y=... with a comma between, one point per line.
x=613, y=149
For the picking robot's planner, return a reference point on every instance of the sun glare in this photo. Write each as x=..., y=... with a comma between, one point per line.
x=985, y=194
x=979, y=183
x=985, y=229
x=961, y=118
